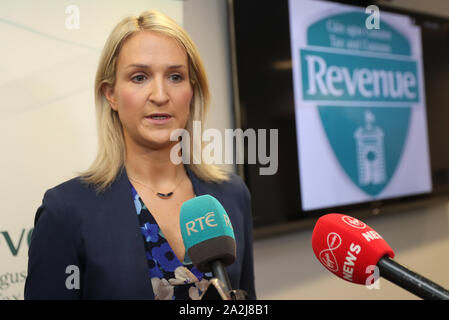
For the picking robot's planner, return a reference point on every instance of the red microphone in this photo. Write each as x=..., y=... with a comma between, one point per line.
x=350, y=249
x=347, y=247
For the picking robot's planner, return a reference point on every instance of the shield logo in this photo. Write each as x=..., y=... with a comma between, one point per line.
x=367, y=142
x=359, y=106
x=363, y=94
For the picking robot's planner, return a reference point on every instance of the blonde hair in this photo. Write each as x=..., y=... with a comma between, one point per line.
x=111, y=145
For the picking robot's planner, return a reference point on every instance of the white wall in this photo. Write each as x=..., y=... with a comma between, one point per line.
x=206, y=23
x=285, y=266
x=435, y=7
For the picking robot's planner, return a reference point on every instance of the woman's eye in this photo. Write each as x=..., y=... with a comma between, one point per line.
x=176, y=78
x=138, y=78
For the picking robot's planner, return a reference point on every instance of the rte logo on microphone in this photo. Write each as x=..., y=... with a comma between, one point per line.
x=206, y=221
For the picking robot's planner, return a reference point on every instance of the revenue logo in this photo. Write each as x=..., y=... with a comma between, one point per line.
x=364, y=83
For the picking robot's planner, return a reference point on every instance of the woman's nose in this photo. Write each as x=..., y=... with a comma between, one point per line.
x=158, y=93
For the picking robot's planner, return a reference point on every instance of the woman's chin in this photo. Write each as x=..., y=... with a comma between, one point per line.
x=159, y=142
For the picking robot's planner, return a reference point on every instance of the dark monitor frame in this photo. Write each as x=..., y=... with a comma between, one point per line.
x=282, y=187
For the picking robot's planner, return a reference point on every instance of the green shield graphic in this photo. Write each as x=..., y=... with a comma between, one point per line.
x=364, y=84
x=367, y=142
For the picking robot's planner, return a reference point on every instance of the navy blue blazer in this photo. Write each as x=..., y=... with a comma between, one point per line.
x=100, y=235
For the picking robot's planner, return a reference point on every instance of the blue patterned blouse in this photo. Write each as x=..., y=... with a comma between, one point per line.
x=170, y=278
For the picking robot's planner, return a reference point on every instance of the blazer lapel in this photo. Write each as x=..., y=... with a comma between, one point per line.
x=126, y=261
x=198, y=186
x=119, y=208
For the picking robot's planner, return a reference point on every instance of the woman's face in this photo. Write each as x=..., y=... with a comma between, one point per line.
x=152, y=92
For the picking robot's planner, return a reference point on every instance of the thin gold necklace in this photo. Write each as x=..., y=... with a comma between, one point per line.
x=159, y=194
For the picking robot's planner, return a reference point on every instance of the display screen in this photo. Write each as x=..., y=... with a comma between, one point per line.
x=361, y=112
x=360, y=106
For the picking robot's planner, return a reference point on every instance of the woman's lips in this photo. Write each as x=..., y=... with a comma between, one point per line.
x=159, y=118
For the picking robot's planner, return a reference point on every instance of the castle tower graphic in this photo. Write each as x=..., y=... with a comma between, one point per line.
x=370, y=152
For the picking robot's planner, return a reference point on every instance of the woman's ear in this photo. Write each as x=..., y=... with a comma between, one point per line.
x=108, y=91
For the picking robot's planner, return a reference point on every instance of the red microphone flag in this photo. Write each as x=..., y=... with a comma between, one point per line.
x=348, y=247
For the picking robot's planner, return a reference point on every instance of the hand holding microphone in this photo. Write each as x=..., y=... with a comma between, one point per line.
x=348, y=248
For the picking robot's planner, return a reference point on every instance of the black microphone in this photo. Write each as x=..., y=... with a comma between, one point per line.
x=411, y=281
x=208, y=237
x=347, y=247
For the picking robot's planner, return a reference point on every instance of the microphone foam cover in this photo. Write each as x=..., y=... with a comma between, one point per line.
x=207, y=232
x=347, y=247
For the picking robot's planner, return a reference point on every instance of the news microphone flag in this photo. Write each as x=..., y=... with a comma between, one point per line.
x=347, y=246
x=207, y=232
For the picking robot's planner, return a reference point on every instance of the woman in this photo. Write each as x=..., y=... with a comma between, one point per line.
x=116, y=226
